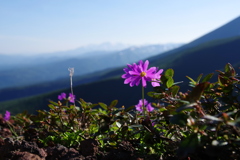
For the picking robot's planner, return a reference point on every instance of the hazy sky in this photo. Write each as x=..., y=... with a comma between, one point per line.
x=35, y=26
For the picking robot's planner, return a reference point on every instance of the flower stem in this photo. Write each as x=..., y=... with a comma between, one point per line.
x=71, y=70
x=143, y=107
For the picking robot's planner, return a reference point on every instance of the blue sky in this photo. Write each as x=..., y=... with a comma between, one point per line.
x=38, y=26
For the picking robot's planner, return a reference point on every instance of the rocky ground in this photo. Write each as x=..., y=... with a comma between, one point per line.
x=23, y=150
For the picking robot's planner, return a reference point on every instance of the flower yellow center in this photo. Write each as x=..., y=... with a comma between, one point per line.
x=143, y=74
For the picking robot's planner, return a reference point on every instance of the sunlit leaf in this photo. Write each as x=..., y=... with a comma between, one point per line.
x=170, y=82
x=104, y=106
x=193, y=82
x=51, y=106
x=169, y=73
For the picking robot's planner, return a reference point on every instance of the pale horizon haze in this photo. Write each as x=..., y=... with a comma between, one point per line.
x=44, y=26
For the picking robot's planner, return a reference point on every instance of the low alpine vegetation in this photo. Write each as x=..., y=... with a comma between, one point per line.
x=201, y=123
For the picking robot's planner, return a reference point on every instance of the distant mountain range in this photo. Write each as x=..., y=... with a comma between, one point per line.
x=16, y=71
x=200, y=56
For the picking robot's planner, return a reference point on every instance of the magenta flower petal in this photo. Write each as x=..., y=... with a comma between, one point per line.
x=62, y=96
x=157, y=78
x=149, y=108
x=145, y=66
x=139, y=106
x=71, y=97
x=155, y=84
x=144, y=82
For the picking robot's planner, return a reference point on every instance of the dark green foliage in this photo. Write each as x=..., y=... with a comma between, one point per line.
x=202, y=123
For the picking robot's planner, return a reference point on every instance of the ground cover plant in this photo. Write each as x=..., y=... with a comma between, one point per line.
x=202, y=123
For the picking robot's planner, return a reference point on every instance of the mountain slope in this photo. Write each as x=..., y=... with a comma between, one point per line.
x=230, y=29
x=45, y=69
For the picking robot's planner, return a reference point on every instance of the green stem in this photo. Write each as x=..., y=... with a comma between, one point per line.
x=143, y=107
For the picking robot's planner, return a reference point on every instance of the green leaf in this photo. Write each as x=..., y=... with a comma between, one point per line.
x=186, y=107
x=207, y=77
x=54, y=103
x=222, y=80
x=129, y=108
x=229, y=70
x=169, y=73
x=51, y=106
x=199, y=77
x=170, y=82
x=93, y=105
x=104, y=106
x=193, y=82
x=198, y=91
x=155, y=95
x=113, y=103
x=174, y=90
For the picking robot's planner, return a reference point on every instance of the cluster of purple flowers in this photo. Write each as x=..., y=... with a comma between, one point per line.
x=135, y=73
x=7, y=116
x=71, y=97
x=139, y=106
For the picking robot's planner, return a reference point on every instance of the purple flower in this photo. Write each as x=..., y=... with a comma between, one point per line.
x=71, y=97
x=146, y=104
x=135, y=73
x=7, y=116
x=62, y=96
